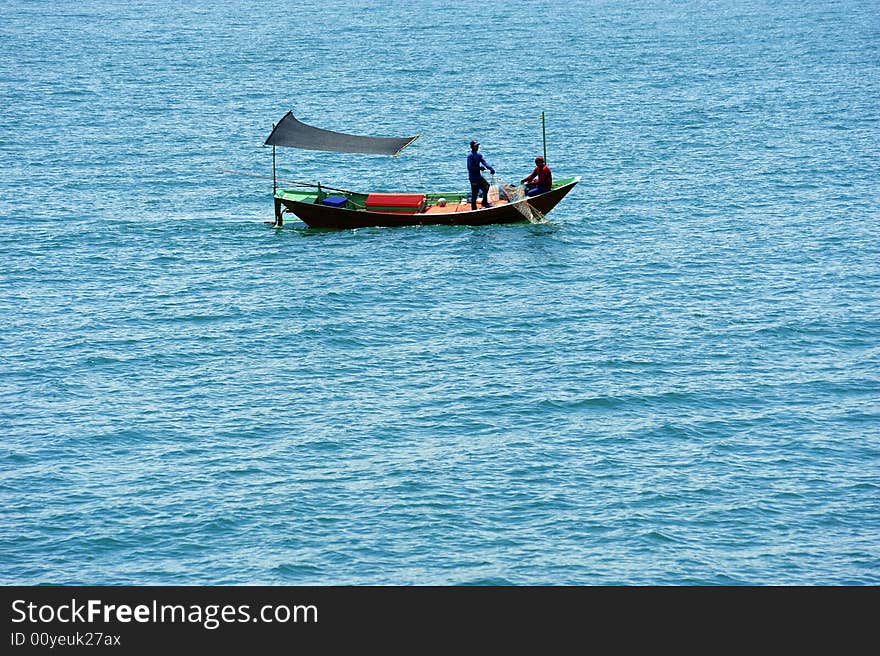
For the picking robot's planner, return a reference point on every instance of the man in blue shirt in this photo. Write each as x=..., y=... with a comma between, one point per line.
x=476, y=163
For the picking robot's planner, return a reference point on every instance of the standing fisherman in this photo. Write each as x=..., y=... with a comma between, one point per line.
x=476, y=163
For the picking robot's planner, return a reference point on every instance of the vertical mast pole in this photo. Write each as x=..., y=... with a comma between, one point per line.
x=544, y=132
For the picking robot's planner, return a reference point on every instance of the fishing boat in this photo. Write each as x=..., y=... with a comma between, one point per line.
x=331, y=207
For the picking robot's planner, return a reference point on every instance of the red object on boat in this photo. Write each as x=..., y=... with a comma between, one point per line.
x=399, y=202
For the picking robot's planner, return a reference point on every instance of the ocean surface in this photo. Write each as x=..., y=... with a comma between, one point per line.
x=674, y=380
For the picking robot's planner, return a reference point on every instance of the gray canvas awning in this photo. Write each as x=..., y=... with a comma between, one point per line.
x=292, y=133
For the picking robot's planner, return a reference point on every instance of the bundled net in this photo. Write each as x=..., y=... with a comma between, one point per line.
x=516, y=196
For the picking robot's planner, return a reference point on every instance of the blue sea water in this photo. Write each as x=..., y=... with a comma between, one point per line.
x=674, y=380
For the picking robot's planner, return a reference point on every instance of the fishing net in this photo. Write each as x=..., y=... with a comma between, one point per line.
x=516, y=196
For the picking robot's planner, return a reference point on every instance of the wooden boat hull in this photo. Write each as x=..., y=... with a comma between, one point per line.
x=321, y=216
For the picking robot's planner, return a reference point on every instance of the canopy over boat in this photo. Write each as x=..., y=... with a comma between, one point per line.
x=295, y=134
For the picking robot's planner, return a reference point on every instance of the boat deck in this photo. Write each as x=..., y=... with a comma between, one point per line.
x=431, y=206
x=463, y=206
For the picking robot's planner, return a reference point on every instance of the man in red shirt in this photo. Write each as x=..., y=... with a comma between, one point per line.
x=544, y=178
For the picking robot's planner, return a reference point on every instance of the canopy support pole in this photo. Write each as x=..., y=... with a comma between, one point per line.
x=278, y=220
